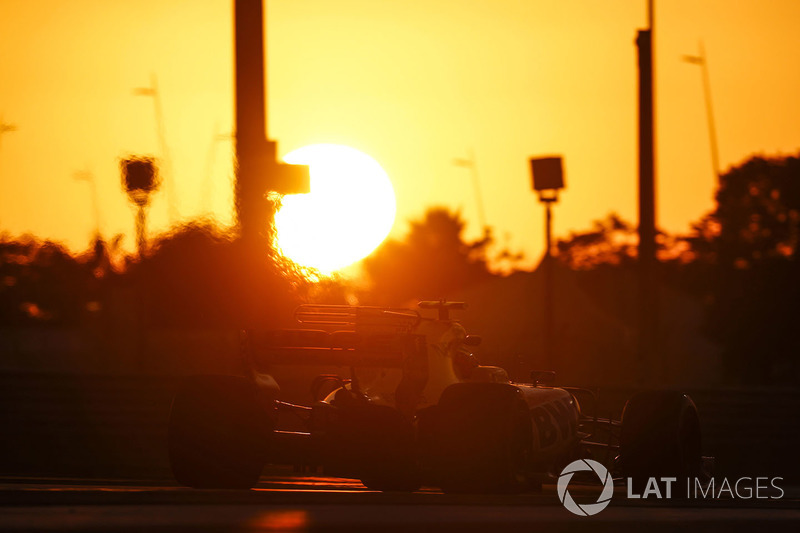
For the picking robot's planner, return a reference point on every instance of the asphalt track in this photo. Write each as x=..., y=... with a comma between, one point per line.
x=291, y=503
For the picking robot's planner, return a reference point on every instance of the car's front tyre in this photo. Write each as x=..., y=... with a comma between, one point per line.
x=660, y=438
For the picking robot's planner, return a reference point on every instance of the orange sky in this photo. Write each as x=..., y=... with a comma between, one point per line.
x=413, y=83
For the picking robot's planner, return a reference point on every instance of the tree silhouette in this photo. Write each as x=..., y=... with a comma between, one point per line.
x=740, y=260
x=201, y=276
x=611, y=241
x=432, y=262
x=757, y=215
x=745, y=258
x=42, y=284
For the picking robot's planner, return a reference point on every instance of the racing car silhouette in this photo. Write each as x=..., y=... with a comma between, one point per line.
x=427, y=414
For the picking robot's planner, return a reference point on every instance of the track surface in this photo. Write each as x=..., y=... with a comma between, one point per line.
x=317, y=503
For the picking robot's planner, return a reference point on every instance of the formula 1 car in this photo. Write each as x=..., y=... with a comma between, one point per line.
x=425, y=414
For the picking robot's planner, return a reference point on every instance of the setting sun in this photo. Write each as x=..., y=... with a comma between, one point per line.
x=349, y=211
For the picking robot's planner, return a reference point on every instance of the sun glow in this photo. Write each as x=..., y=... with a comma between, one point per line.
x=347, y=214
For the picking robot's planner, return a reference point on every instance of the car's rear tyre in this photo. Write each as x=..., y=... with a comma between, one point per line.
x=660, y=438
x=218, y=434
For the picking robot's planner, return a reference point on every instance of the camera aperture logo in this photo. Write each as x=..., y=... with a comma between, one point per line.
x=744, y=488
x=586, y=509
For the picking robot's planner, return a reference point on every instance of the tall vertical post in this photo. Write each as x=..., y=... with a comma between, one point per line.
x=141, y=231
x=548, y=179
x=648, y=299
x=251, y=119
x=140, y=180
x=256, y=165
x=549, y=302
x=257, y=168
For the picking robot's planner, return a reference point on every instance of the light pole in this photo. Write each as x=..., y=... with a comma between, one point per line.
x=140, y=180
x=548, y=179
x=700, y=59
x=216, y=138
x=648, y=359
x=476, y=183
x=153, y=92
x=88, y=177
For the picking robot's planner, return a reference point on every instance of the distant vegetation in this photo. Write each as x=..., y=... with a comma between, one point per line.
x=198, y=276
x=740, y=262
x=432, y=261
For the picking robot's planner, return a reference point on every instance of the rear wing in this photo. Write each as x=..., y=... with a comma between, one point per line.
x=346, y=336
x=361, y=319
